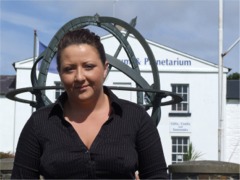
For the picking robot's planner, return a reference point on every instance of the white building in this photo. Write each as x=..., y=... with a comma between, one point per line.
x=232, y=122
x=7, y=114
x=194, y=120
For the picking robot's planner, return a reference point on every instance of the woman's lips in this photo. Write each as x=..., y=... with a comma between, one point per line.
x=81, y=88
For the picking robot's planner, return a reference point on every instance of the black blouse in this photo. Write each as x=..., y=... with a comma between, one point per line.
x=128, y=141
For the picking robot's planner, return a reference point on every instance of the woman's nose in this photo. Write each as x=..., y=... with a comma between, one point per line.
x=79, y=76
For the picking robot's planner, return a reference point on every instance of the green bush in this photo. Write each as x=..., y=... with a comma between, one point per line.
x=191, y=154
x=6, y=155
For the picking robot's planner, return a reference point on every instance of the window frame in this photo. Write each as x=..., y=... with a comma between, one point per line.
x=181, y=92
x=182, y=146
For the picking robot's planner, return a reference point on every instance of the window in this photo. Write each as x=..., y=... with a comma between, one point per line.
x=182, y=108
x=58, y=92
x=123, y=93
x=179, y=148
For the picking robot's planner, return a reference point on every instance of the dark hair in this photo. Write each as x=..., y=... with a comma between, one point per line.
x=80, y=36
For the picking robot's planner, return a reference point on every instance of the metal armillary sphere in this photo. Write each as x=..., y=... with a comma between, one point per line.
x=153, y=92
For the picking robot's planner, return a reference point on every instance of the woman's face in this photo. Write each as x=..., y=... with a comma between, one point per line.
x=82, y=72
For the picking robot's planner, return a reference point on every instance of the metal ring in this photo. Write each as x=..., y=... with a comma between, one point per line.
x=162, y=94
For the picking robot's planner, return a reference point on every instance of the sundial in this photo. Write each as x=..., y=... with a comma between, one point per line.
x=152, y=92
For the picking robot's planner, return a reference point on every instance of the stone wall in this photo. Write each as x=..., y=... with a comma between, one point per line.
x=6, y=166
x=205, y=170
x=186, y=170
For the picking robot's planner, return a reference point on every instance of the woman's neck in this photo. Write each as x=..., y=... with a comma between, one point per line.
x=76, y=108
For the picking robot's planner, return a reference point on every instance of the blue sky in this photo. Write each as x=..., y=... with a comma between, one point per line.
x=189, y=26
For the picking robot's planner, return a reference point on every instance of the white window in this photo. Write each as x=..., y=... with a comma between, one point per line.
x=124, y=94
x=183, y=91
x=58, y=92
x=179, y=148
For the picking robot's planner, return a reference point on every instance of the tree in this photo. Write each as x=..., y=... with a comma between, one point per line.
x=233, y=76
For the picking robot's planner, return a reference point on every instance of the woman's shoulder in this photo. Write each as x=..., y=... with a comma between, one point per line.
x=44, y=112
x=130, y=104
x=42, y=118
x=129, y=107
x=123, y=103
x=44, y=109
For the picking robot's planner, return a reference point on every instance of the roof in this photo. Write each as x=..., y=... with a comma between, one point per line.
x=233, y=89
x=7, y=83
x=168, y=59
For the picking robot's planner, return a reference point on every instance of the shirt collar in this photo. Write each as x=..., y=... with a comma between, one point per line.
x=115, y=103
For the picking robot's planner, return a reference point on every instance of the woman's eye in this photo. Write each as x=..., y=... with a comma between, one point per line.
x=67, y=69
x=89, y=66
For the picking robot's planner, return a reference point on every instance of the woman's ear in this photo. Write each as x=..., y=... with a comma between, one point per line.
x=106, y=69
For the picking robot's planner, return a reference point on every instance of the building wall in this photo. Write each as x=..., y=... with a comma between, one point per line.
x=7, y=120
x=232, y=131
x=23, y=110
x=203, y=109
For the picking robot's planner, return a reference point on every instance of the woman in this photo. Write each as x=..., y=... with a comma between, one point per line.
x=88, y=132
